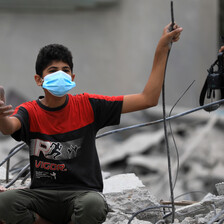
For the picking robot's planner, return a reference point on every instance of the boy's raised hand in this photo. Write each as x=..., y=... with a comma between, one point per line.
x=170, y=36
x=5, y=110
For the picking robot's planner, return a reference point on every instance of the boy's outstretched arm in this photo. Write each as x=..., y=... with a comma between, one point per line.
x=8, y=125
x=149, y=97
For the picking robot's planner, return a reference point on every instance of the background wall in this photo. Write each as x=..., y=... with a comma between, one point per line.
x=113, y=47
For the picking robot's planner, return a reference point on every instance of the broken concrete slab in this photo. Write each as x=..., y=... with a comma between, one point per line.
x=129, y=202
x=121, y=182
x=126, y=195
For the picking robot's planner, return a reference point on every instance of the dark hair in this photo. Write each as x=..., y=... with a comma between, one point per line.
x=52, y=52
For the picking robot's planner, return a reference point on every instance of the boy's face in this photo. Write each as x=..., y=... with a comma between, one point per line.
x=54, y=67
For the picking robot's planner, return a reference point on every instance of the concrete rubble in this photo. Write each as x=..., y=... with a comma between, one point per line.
x=127, y=202
x=128, y=195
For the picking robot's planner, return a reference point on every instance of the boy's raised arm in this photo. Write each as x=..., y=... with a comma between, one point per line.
x=8, y=125
x=149, y=97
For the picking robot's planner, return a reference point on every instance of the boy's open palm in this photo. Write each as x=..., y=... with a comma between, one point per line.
x=5, y=110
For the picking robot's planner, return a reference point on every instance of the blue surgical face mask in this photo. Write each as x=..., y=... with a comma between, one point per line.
x=58, y=83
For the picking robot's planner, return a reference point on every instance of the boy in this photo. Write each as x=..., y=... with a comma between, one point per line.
x=60, y=129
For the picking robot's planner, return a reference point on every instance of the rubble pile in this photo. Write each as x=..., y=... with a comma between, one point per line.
x=133, y=197
x=126, y=195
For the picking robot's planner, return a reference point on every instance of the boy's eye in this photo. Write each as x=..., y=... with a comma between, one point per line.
x=66, y=70
x=52, y=71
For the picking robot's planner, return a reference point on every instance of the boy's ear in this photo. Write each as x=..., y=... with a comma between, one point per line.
x=38, y=80
x=73, y=77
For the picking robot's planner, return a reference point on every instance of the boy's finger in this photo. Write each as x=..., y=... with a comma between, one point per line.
x=8, y=113
x=2, y=94
x=6, y=110
x=177, y=30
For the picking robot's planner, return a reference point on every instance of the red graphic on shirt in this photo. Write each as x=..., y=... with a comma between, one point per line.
x=50, y=166
x=42, y=146
x=49, y=149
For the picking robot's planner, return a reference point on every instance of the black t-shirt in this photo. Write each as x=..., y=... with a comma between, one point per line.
x=62, y=140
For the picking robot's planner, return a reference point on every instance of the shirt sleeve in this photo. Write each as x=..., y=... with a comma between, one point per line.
x=107, y=109
x=23, y=133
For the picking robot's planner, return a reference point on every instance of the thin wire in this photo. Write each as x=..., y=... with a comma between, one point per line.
x=202, y=192
x=25, y=168
x=25, y=178
x=14, y=150
x=167, y=141
x=171, y=131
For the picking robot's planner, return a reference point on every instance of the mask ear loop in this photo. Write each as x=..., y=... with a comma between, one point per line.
x=42, y=80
